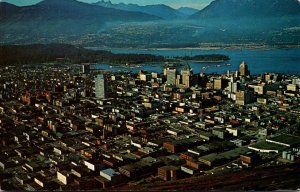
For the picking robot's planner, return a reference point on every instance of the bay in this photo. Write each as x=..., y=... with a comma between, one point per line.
x=285, y=61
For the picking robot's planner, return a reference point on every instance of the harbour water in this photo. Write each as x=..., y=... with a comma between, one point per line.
x=259, y=61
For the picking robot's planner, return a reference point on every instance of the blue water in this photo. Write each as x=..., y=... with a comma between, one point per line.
x=259, y=61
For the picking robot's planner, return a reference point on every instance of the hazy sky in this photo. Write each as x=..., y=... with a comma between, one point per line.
x=173, y=3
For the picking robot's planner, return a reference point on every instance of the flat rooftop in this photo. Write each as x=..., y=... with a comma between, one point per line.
x=285, y=139
x=226, y=155
x=264, y=145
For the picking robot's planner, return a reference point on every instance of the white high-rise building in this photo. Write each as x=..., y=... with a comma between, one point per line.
x=100, y=87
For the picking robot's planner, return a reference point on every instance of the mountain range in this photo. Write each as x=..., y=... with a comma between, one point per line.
x=249, y=8
x=159, y=10
x=267, y=21
x=107, y=24
x=62, y=17
x=187, y=10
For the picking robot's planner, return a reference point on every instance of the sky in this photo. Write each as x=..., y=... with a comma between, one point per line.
x=198, y=4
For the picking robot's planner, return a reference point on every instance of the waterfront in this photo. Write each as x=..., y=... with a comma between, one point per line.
x=259, y=61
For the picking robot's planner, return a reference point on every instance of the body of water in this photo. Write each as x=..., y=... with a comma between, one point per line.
x=259, y=61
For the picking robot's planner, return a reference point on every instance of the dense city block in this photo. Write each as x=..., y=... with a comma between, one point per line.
x=72, y=127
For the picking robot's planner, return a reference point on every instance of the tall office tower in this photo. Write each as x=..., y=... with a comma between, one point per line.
x=178, y=80
x=220, y=84
x=100, y=87
x=186, y=74
x=233, y=87
x=86, y=68
x=236, y=74
x=171, y=76
x=244, y=97
x=244, y=69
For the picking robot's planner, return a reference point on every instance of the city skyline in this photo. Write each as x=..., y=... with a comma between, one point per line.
x=172, y=3
x=84, y=126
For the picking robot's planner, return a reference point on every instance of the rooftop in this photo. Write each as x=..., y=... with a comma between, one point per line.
x=267, y=146
x=285, y=139
x=110, y=172
x=226, y=155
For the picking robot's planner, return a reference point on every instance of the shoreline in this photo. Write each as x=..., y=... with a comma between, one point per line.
x=195, y=61
x=204, y=48
x=159, y=63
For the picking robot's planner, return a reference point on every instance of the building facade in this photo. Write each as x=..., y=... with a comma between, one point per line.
x=244, y=71
x=100, y=87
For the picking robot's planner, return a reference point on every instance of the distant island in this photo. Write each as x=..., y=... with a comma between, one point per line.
x=43, y=53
